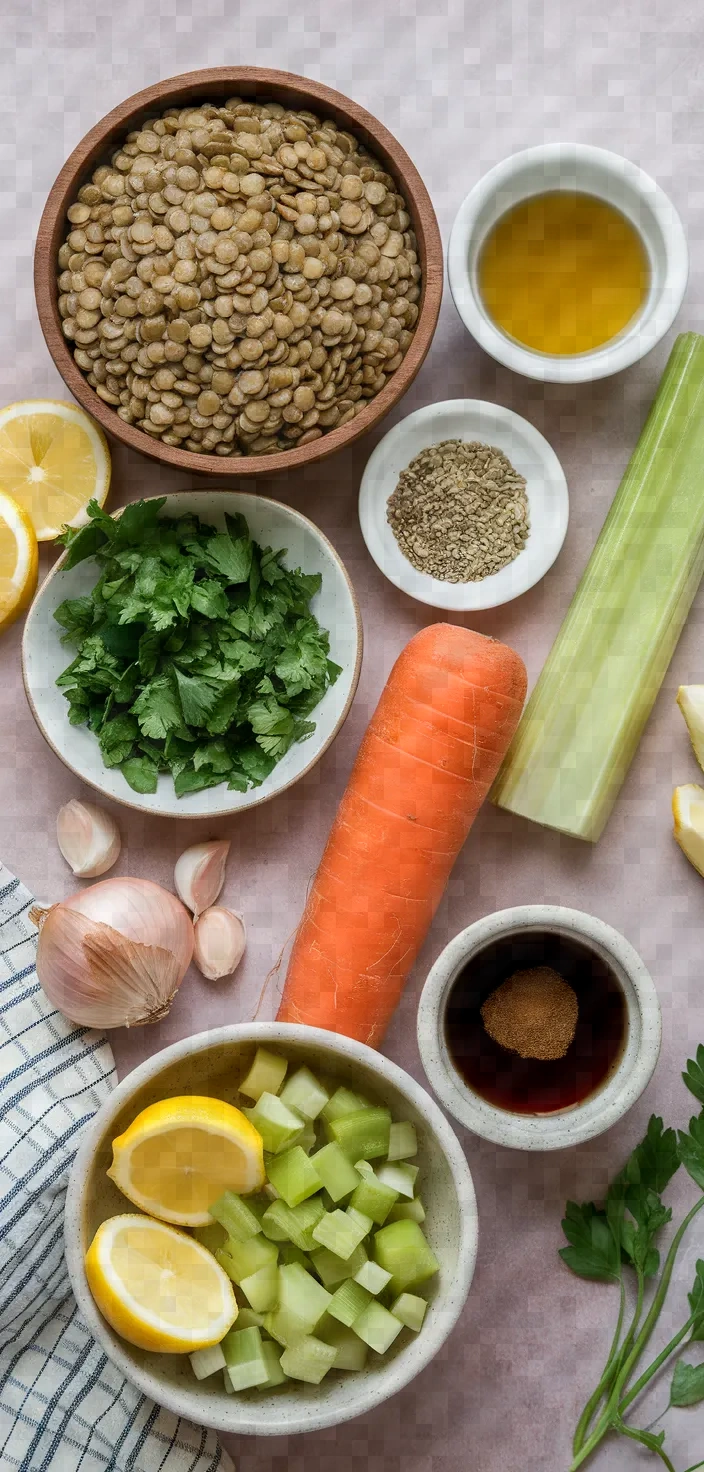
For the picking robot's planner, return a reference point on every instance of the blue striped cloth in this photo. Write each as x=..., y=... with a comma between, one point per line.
x=64, y=1407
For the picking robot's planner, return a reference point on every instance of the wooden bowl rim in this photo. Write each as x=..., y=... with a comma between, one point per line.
x=204, y=83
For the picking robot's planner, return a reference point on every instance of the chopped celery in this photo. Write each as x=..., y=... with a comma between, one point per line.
x=400, y=1178
x=243, y=1351
x=403, y=1141
x=401, y=1249
x=278, y=1126
x=363, y=1135
x=261, y=1289
x=302, y=1302
x=332, y=1269
x=342, y=1231
x=294, y=1176
x=272, y=1360
x=309, y=1360
x=343, y=1101
x=374, y=1198
x=266, y=1075
x=408, y=1211
x=410, y=1310
x=276, y=1222
x=363, y=1168
x=205, y=1362
x=581, y=727
x=247, y=1318
x=308, y=1138
x=229, y=1387
x=212, y=1236
x=372, y=1277
x=303, y=1093
x=337, y=1174
x=348, y=1301
x=289, y=1253
x=351, y=1350
x=241, y=1259
x=236, y=1216
x=377, y=1327
x=293, y=1223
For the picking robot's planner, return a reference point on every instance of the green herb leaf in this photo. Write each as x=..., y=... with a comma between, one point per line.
x=694, y=1074
x=197, y=698
x=593, y=1251
x=209, y=599
x=696, y=1301
x=76, y=616
x=191, y=781
x=687, y=1387
x=141, y=774
x=157, y=708
x=231, y=558
x=655, y=1160
x=117, y=738
x=691, y=1146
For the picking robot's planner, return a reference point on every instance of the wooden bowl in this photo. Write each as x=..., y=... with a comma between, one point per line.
x=290, y=90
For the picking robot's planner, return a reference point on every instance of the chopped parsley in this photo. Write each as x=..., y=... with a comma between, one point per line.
x=198, y=653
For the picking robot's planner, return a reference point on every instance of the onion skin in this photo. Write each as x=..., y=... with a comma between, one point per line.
x=115, y=954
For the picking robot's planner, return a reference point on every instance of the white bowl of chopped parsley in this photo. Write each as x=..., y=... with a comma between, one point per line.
x=194, y=654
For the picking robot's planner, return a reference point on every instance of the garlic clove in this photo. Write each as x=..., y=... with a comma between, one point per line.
x=88, y=837
x=200, y=873
x=220, y=939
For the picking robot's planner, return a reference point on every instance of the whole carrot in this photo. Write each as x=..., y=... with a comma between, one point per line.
x=432, y=749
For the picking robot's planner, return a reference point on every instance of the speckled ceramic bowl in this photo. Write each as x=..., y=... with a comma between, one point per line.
x=620, y=1089
x=212, y=1063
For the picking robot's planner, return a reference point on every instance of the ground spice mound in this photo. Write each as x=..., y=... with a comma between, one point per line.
x=460, y=511
x=533, y=1013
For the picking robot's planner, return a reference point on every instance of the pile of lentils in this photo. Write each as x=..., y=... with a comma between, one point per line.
x=239, y=279
x=460, y=511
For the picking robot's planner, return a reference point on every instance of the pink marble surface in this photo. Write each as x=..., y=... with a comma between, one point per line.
x=462, y=85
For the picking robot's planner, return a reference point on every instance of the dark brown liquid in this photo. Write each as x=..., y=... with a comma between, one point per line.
x=528, y=1085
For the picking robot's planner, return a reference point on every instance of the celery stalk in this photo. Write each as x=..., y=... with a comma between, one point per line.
x=410, y=1310
x=294, y=1177
x=278, y=1126
x=205, y=1362
x=266, y=1075
x=243, y=1351
x=351, y=1350
x=363, y=1134
x=372, y=1277
x=401, y=1249
x=272, y=1360
x=309, y=1359
x=241, y=1259
x=403, y=1140
x=583, y=722
x=348, y=1301
x=408, y=1211
x=261, y=1289
x=236, y=1216
x=303, y=1093
x=377, y=1327
x=332, y=1269
x=336, y=1172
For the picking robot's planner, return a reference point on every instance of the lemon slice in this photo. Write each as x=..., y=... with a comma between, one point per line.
x=157, y=1287
x=688, y=813
x=690, y=699
x=53, y=460
x=179, y=1155
x=18, y=560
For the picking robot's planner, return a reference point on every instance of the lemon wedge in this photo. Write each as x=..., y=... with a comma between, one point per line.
x=157, y=1287
x=688, y=813
x=179, y=1155
x=18, y=560
x=690, y=699
x=53, y=460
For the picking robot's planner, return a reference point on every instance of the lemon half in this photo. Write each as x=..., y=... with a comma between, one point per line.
x=179, y=1155
x=688, y=813
x=18, y=560
x=53, y=460
x=157, y=1287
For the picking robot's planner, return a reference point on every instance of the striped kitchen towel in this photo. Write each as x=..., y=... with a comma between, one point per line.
x=64, y=1407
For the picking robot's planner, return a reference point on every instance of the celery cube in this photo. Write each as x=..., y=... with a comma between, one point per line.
x=309, y=1359
x=372, y=1277
x=343, y=1101
x=288, y=1253
x=410, y=1310
x=348, y=1301
x=272, y=1360
x=337, y=1174
x=229, y=1387
x=205, y=1362
x=341, y=1231
x=302, y=1302
x=278, y=1126
x=351, y=1351
x=261, y=1289
x=294, y=1176
x=266, y=1075
x=212, y=1236
x=243, y=1351
x=241, y=1259
x=374, y=1199
x=332, y=1269
x=401, y=1178
x=401, y=1249
x=402, y=1141
x=248, y=1319
x=293, y=1223
x=363, y=1135
x=236, y=1216
x=408, y=1211
x=377, y=1327
x=308, y=1138
x=303, y=1093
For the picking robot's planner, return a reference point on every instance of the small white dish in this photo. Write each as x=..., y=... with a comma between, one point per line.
x=619, y=1091
x=213, y=1063
x=596, y=171
x=335, y=606
x=529, y=453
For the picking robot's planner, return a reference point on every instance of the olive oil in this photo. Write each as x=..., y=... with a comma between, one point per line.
x=563, y=272
x=530, y=1085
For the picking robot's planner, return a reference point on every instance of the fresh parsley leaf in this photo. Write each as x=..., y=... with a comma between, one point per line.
x=696, y=1301
x=197, y=697
x=117, y=738
x=121, y=641
x=208, y=598
x=84, y=542
x=141, y=774
x=687, y=1387
x=255, y=763
x=76, y=616
x=593, y=1251
x=231, y=558
x=213, y=754
x=189, y=780
x=691, y=1145
x=694, y=1075
x=148, y=652
x=137, y=520
x=157, y=708
x=655, y=1160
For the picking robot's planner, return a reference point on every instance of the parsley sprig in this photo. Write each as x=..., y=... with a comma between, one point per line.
x=618, y=1238
x=198, y=653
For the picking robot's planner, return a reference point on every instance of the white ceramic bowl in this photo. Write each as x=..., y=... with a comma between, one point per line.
x=335, y=606
x=620, y=1089
x=529, y=453
x=212, y=1063
x=597, y=171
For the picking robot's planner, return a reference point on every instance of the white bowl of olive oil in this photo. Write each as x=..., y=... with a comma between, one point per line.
x=567, y=263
